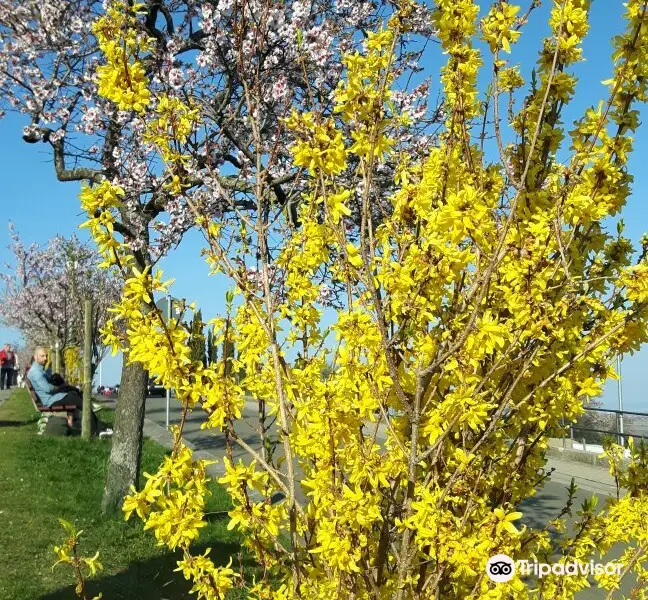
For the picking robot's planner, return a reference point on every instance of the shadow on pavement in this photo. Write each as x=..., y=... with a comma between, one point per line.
x=540, y=509
x=155, y=411
x=217, y=442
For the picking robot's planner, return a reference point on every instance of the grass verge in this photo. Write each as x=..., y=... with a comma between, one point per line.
x=44, y=478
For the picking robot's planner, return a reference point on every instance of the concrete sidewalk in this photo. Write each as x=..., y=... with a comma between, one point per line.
x=588, y=477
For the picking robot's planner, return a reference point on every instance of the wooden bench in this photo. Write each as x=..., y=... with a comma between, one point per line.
x=47, y=411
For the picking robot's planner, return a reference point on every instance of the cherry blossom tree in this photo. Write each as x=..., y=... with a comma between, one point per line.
x=44, y=289
x=205, y=51
x=236, y=63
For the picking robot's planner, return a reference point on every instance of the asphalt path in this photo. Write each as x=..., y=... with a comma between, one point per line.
x=547, y=503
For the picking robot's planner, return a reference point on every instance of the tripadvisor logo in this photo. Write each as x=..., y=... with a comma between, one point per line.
x=501, y=568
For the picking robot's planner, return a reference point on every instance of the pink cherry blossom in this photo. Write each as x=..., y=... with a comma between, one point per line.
x=197, y=56
x=44, y=289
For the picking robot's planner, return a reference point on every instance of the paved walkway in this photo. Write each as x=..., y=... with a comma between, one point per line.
x=206, y=444
x=588, y=477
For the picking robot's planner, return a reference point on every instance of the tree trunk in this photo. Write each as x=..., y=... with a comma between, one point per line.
x=126, y=453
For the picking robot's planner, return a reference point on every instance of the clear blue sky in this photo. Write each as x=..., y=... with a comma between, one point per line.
x=41, y=207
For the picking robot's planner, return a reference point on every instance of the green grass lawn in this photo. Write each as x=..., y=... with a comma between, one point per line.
x=43, y=479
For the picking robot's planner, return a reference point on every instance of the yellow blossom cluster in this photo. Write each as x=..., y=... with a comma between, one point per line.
x=175, y=514
x=360, y=98
x=456, y=24
x=67, y=554
x=73, y=361
x=327, y=154
x=123, y=78
x=169, y=131
x=555, y=87
x=209, y=581
x=100, y=201
x=497, y=27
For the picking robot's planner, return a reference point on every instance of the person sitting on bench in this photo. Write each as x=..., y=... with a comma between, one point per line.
x=52, y=389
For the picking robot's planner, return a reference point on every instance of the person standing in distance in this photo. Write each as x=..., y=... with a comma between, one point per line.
x=7, y=364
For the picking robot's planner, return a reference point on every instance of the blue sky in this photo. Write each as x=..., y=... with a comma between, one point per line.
x=40, y=207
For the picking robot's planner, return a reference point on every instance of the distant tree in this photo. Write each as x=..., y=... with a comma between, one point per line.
x=44, y=287
x=605, y=423
x=212, y=347
x=24, y=353
x=593, y=420
x=197, y=339
x=228, y=348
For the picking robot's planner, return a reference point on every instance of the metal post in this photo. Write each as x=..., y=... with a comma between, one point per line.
x=168, y=394
x=86, y=423
x=168, y=400
x=57, y=357
x=620, y=393
x=584, y=446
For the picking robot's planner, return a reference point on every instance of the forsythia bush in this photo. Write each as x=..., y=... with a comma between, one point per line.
x=475, y=316
x=73, y=362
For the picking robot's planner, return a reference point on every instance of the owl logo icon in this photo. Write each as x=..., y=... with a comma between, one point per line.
x=500, y=568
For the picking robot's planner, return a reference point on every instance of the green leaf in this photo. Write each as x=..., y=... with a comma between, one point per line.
x=67, y=526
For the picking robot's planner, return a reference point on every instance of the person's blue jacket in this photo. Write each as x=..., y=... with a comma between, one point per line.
x=41, y=381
